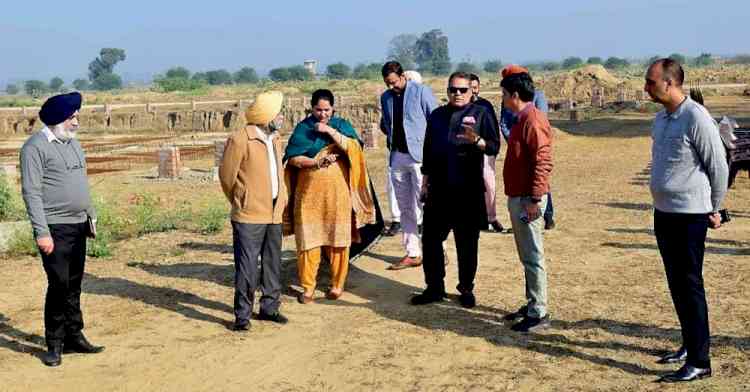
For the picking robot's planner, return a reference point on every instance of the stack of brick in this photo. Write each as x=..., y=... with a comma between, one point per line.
x=597, y=97
x=370, y=136
x=169, y=162
x=219, y=146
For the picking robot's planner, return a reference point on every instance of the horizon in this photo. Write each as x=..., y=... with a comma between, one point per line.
x=158, y=36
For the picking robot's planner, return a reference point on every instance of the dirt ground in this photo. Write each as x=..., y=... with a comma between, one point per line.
x=163, y=303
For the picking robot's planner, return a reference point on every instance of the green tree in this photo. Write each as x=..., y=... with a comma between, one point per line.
x=402, y=48
x=595, y=60
x=246, y=75
x=81, y=84
x=432, y=53
x=616, y=63
x=703, y=60
x=572, y=62
x=550, y=66
x=55, y=85
x=107, y=81
x=492, y=66
x=469, y=67
x=367, y=71
x=12, y=89
x=200, y=76
x=652, y=59
x=105, y=63
x=177, y=72
x=678, y=58
x=218, y=77
x=298, y=72
x=339, y=71
x=178, y=84
x=280, y=74
x=35, y=88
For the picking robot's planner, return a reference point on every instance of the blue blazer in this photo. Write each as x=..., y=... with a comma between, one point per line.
x=419, y=102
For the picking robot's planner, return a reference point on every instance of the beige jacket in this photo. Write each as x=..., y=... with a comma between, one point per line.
x=246, y=178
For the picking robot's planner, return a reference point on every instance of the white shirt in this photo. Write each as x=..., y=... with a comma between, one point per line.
x=268, y=141
x=50, y=136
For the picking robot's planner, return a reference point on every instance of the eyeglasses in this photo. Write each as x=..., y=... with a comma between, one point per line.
x=458, y=90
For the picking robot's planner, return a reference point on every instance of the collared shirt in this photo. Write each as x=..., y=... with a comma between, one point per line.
x=688, y=162
x=268, y=141
x=50, y=135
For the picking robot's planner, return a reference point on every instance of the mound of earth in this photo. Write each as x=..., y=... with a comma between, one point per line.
x=577, y=84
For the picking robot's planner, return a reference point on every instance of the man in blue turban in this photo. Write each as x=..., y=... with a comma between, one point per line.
x=56, y=193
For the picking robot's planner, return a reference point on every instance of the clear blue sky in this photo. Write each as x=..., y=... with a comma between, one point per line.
x=44, y=38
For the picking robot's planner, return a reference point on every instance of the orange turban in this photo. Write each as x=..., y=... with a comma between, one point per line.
x=513, y=69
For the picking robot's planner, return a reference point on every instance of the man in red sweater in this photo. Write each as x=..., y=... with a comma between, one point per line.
x=526, y=175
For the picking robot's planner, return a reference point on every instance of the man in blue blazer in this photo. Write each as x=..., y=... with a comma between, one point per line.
x=405, y=107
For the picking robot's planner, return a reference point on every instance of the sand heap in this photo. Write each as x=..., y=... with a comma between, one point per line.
x=577, y=84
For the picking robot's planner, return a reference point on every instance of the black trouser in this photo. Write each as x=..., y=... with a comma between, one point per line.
x=251, y=242
x=64, y=268
x=437, y=224
x=681, y=239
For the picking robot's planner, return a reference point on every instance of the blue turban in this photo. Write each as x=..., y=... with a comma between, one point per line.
x=59, y=108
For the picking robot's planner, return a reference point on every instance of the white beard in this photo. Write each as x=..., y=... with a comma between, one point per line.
x=61, y=133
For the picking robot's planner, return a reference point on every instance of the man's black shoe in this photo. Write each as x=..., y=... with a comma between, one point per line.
x=276, y=317
x=53, y=356
x=427, y=297
x=531, y=324
x=686, y=373
x=675, y=357
x=518, y=314
x=79, y=344
x=549, y=224
x=419, y=229
x=496, y=226
x=394, y=229
x=241, y=327
x=467, y=300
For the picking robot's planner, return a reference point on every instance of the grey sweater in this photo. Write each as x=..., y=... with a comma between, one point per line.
x=53, y=182
x=688, y=163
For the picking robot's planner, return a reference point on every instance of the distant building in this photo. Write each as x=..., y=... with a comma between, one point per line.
x=312, y=66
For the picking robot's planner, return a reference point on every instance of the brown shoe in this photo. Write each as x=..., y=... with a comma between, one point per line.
x=406, y=262
x=333, y=295
x=303, y=299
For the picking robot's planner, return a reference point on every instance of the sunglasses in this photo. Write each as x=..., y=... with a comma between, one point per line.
x=458, y=90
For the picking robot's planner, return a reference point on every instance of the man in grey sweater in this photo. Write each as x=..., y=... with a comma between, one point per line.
x=688, y=182
x=56, y=193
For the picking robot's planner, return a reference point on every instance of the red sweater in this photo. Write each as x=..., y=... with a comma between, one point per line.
x=528, y=164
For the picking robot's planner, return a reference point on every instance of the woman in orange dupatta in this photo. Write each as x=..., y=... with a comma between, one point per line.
x=330, y=197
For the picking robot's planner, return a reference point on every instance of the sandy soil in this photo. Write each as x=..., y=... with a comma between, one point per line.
x=163, y=303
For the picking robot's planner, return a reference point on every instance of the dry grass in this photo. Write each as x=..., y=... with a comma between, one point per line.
x=162, y=304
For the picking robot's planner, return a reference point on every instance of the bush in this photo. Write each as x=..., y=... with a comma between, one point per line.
x=22, y=243
x=178, y=72
x=11, y=206
x=109, y=228
x=212, y=220
x=81, y=84
x=572, y=62
x=169, y=85
x=246, y=75
x=149, y=219
x=107, y=81
x=616, y=63
x=595, y=60
x=367, y=71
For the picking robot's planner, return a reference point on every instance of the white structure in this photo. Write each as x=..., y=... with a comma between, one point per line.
x=311, y=65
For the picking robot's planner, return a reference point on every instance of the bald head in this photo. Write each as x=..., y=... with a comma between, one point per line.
x=671, y=70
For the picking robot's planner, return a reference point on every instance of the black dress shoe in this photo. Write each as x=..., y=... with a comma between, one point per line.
x=241, y=326
x=276, y=317
x=79, y=344
x=467, y=300
x=686, y=373
x=549, y=224
x=531, y=324
x=675, y=357
x=496, y=226
x=427, y=297
x=53, y=356
x=394, y=229
x=518, y=314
